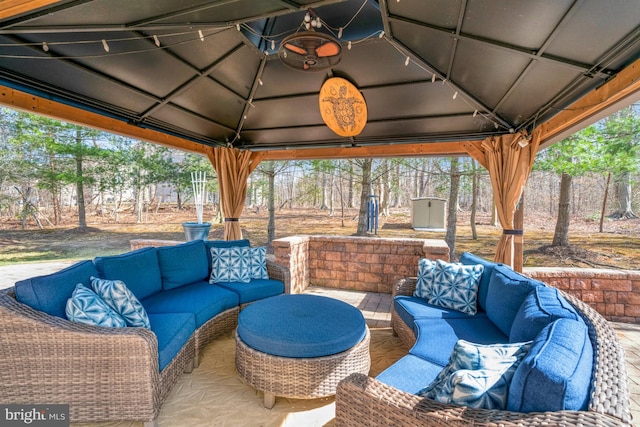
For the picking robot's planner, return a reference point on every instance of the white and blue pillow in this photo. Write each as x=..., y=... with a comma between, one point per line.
x=85, y=306
x=117, y=296
x=230, y=264
x=449, y=285
x=259, y=263
x=477, y=376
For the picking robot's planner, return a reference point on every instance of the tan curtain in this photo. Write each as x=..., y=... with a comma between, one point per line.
x=509, y=166
x=233, y=167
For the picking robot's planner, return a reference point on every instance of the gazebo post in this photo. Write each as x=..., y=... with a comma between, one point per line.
x=233, y=167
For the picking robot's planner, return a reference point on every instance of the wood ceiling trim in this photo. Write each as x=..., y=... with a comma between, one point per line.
x=33, y=104
x=457, y=148
x=9, y=8
x=624, y=84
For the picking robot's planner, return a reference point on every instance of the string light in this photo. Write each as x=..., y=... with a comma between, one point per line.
x=406, y=61
x=349, y=45
x=45, y=46
x=238, y=27
x=105, y=45
x=455, y=94
x=260, y=82
x=381, y=34
x=340, y=33
x=273, y=45
x=433, y=78
x=475, y=113
x=156, y=40
x=201, y=35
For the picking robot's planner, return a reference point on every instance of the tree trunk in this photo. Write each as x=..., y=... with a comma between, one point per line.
x=474, y=200
x=323, y=191
x=350, y=186
x=561, y=234
x=364, y=197
x=271, y=226
x=452, y=214
x=82, y=214
x=604, y=203
x=623, y=195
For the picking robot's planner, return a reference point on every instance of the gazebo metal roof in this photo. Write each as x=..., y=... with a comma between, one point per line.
x=431, y=71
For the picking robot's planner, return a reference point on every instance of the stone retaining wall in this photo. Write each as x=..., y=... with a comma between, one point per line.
x=370, y=264
x=613, y=293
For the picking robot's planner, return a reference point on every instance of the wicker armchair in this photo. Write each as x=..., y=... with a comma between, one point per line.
x=365, y=401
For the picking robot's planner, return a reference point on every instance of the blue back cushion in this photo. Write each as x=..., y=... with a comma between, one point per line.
x=507, y=291
x=139, y=270
x=556, y=373
x=468, y=258
x=50, y=293
x=223, y=244
x=542, y=306
x=183, y=264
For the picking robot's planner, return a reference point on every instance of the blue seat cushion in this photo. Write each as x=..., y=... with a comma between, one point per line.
x=301, y=326
x=410, y=308
x=205, y=301
x=139, y=270
x=183, y=264
x=507, y=291
x=468, y=258
x=542, y=306
x=50, y=293
x=556, y=373
x=254, y=290
x=172, y=331
x=222, y=244
x=435, y=339
x=410, y=374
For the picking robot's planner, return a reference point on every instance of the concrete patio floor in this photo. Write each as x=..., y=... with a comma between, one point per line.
x=375, y=308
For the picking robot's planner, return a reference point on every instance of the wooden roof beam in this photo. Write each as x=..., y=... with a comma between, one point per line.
x=33, y=104
x=624, y=87
x=9, y=8
x=457, y=148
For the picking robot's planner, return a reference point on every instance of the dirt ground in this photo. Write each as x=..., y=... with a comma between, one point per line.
x=618, y=247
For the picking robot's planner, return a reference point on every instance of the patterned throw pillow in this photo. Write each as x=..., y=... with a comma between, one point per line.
x=117, y=296
x=477, y=375
x=259, y=263
x=449, y=285
x=230, y=264
x=85, y=306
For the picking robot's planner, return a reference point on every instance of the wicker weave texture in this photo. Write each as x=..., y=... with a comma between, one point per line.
x=301, y=378
x=609, y=403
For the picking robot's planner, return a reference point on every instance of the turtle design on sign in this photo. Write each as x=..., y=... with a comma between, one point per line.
x=342, y=107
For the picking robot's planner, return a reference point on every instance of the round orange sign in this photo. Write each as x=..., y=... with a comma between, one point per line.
x=342, y=107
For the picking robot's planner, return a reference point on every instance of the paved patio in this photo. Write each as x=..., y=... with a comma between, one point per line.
x=376, y=309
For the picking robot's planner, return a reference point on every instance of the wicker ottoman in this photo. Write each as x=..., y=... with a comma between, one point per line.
x=300, y=346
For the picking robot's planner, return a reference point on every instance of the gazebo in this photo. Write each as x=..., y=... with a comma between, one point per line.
x=241, y=81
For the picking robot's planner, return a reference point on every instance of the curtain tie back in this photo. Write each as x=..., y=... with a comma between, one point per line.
x=513, y=232
x=231, y=219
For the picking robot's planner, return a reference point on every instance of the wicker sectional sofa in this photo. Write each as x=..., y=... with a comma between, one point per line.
x=120, y=373
x=573, y=374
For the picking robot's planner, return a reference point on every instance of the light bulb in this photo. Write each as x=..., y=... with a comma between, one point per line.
x=156, y=40
x=45, y=46
x=318, y=23
x=349, y=45
x=495, y=125
x=381, y=34
x=455, y=95
x=340, y=33
x=105, y=45
x=433, y=78
x=238, y=27
x=201, y=35
x=260, y=82
x=307, y=17
x=475, y=113
x=307, y=25
x=406, y=61
x=273, y=44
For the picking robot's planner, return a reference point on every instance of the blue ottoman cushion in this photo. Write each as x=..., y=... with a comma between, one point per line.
x=205, y=301
x=139, y=270
x=542, y=306
x=172, y=331
x=468, y=258
x=50, y=293
x=254, y=290
x=435, y=340
x=556, y=373
x=409, y=308
x=507, y=291
x=301, y=326
x=410, y=374
x=183, y=264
